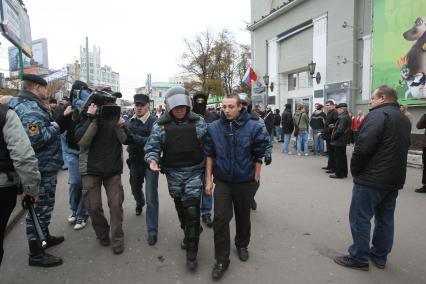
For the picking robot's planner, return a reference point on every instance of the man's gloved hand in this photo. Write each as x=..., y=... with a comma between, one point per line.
x=268, y=160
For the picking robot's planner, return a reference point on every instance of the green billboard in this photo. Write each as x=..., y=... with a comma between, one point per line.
x=399, y=48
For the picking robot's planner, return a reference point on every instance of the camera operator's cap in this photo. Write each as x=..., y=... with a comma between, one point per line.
x=140, y=99
x=35, y=79
x=341, y=105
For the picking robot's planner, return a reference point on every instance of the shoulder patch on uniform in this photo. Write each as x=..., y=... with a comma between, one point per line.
x=33, y=129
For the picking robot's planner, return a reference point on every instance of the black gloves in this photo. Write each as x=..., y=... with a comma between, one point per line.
x=268, y=160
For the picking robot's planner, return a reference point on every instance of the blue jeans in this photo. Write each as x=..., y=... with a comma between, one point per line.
x=64, y=147
x=286, y=145
x=137, y=175
x=76, y=199
x=206, y=205
x=302, y=137
x=318, y=143
x=366, y=203
x=276, y=131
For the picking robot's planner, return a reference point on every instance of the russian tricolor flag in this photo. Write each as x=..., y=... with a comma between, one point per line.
x=249, y=76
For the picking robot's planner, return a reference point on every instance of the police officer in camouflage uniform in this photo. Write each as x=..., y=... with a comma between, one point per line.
x=177, y=135
x=44, y=135
x=246, y=103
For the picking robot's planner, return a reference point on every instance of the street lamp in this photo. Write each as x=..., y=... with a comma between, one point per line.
x=311, y=69
x=266, y=80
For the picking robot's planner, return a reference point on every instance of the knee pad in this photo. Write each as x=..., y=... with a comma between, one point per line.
x=192, y=212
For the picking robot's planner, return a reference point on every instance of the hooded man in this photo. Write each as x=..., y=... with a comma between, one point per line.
x=199, y=101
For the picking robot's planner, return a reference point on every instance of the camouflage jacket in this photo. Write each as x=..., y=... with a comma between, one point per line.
x=44, y=137
x=156, y=140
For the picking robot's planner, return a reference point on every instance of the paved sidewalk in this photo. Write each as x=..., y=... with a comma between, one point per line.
x=300, y=224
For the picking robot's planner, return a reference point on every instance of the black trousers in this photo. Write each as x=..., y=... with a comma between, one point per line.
x=424, y=166
x=7, y=203
x=331, y=160
x=228, y=196
x=341, y=161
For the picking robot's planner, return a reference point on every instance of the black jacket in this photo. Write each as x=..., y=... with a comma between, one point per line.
x=68, y=124
x=379, y=159
x=137, y=135
x=287, y=122
x=317, y=120
x=341, y=129
x=269, y=121
x=331, y=118
x=101, y=151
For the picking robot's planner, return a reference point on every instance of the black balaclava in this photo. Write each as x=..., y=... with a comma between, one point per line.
x=199, y=108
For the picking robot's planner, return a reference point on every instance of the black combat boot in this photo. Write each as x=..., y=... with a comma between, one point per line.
x=192, y=234
x=38, y=257
x=181, y=215
x=53, y=240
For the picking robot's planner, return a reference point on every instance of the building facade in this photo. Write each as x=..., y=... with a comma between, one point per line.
x=336, y=35
x=158, y=91
x=99, y=76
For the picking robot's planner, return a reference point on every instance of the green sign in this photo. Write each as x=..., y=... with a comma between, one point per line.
x=215, y=99
x=399, y=48
x=318, y=93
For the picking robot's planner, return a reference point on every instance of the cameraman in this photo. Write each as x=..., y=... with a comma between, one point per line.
x=100, y=135
x=18, y=164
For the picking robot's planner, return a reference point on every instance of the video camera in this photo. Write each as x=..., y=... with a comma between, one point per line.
x=82, y=97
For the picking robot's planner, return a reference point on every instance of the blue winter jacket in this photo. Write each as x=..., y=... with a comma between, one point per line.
x=236, y=146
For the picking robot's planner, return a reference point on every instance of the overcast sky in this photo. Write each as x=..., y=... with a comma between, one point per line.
x=136, y=37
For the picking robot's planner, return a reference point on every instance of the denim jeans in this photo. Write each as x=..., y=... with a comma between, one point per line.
x=366, y=203
x=64, y=147
x=286, y=144
x=276, y=131
x=137, y=175
x=302, y=137
x=76, y=199
x=206, y=205
x=318, y=142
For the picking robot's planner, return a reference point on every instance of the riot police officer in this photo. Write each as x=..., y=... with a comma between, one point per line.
x=175, y=146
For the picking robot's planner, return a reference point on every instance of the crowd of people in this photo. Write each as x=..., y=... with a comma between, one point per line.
x=204, y=155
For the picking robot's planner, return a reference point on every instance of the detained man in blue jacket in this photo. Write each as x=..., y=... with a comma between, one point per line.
x=234, y=146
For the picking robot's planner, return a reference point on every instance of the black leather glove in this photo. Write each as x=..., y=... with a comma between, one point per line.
x=268, y=160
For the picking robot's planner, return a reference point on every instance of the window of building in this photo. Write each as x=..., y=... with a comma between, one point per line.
x=300, y=80
x=160, y=94
x=292, y=82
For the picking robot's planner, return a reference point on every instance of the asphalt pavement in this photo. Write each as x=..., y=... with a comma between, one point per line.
x=301, y=223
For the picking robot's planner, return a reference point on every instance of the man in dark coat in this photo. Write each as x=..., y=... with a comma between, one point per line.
x=330, y=120
x=199, y=102
x=378, y=165
x=287, y=125
x=339, y=139
x=139, y=128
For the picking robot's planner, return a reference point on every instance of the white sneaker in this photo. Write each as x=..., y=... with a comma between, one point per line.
x=306, y=154
x=80, y=224
x=71, y=219
x=289, y=153
x=299, y=154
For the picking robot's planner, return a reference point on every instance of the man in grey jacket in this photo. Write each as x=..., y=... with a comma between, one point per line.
x=18, y=167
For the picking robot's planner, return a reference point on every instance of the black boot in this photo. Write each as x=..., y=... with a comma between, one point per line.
x=38, y=257
x=53, y=240
x=192, y=235
x=181, y=215
x=219, y=269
